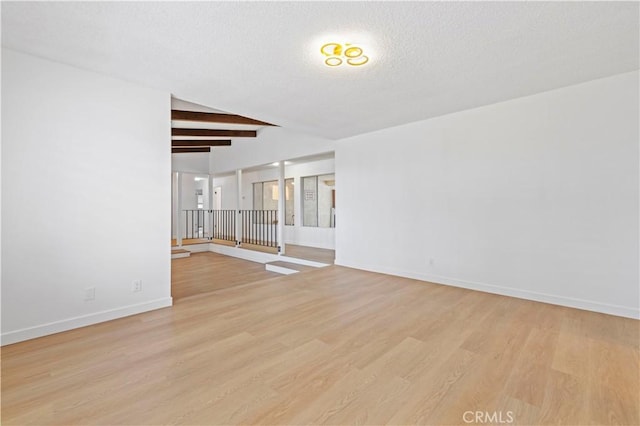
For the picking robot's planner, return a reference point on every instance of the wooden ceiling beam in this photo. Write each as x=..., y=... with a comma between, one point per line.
x=214, y=117
x=214, y=132
x=199, y=142
x=190, y=149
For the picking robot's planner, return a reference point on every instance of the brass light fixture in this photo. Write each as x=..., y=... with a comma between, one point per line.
x=337, y=54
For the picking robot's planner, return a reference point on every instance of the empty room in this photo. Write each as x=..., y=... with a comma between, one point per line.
x=288, y=213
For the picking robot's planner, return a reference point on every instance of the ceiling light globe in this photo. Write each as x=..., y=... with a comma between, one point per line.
x=356, y=62
x=353, y=52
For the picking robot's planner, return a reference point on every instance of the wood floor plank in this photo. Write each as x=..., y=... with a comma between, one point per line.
x=565, y=400
x=432, y=388
x=329, y=346
x=310, y=253
x=207, y=271
x=528, y=379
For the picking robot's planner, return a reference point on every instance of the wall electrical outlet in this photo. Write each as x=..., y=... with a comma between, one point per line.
x=89, y=293
x=136, y=286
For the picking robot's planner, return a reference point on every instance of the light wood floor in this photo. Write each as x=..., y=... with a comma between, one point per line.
x=310, y=253
x=331, y=346
x=205, y=272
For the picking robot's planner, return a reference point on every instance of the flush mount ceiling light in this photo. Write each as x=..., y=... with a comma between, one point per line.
x=337, y=54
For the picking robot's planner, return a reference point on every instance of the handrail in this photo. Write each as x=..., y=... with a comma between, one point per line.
x=195, y=224
x=260, y=227
x=257, y=227
x=223, y=223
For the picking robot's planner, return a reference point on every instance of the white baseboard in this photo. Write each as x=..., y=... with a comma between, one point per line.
x=588, y=305
x=261, y=257
x=252, y=255
x=82, y=321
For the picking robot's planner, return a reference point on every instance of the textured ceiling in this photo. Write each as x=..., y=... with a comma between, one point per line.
x=262, y=60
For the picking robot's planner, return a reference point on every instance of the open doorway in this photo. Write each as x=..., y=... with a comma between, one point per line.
x=190, y=202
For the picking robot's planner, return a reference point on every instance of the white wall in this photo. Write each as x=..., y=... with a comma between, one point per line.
x=297, y=234
x=191, y=162
x=326, y=186
x=306, y=235
x=190, y=202
x=535, y=197
x=86, y=194
x=175, y=216
x=249, y=178
x=229, y=194
x=189, y=187
x=272, y=144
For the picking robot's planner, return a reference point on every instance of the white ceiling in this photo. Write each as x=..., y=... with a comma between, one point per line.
x=262, y=60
